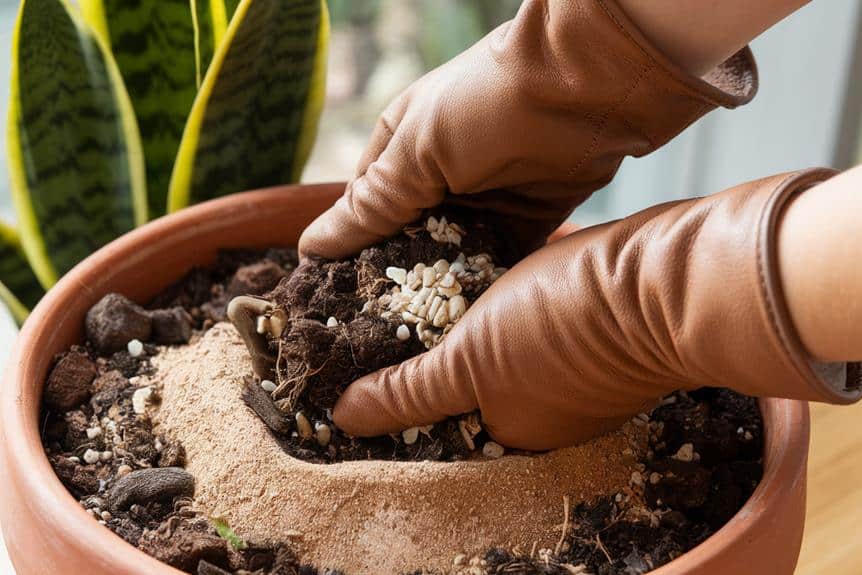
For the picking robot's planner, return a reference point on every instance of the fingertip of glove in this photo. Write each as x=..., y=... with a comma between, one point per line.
x=327, y=238
x=360, y=412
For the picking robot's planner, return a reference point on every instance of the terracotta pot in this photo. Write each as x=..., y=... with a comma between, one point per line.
x=46, y=530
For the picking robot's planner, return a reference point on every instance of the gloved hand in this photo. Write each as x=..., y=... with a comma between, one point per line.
x=598, y=326
x=528, y=123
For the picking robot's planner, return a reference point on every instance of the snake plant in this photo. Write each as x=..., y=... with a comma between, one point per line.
x=125, y=110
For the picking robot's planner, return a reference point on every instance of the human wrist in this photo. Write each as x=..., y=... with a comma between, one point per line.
x=697, y=38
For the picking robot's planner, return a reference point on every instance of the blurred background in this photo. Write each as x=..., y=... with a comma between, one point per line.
x=807, y=113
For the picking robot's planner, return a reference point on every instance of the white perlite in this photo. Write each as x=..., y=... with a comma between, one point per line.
x=135, y=348
x=410, y=435
x=91, y=456
x=444, y=232
x=493, y=450
x=429, y=295
x=140, y=399
x=402, y=333
x=685, y=453
x=268, y=386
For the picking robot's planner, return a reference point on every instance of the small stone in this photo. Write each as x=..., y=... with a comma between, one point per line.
x=441, y=318
x=429, y=276
x=459, y=560
x=171, y=326
x=123, y=470
x=255, y=279
x=93, y=432
x=450, y=292
x=441, y=266
x=398, y=275
x=457, y=308
x=654, y=478
x=402, y=333
x=637, y=479
x=268, y=386
x=331, y=322
x=114, y=321
x=146, y=485
x=493, y=450
x=106, y=515
x=322, y=433
x=69, y=382
x=141, y=398
x=91, y=456
x=410, y=435
x=685, y=453
x=135, y=348
x=106, y=455
x=447, y=280
x=303, y=426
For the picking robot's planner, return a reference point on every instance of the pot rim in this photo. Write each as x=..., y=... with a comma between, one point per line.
x=71, y=526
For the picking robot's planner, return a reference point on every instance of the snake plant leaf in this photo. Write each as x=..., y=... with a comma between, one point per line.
x=255, y=117
x=75, y=158
x=162, y=48
x=19, y=288
x=230, y=7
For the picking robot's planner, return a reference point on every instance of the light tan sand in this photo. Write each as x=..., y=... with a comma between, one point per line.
x=368, y=517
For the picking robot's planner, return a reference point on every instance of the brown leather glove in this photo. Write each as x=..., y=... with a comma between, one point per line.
x=541, y=111
x=597, y=326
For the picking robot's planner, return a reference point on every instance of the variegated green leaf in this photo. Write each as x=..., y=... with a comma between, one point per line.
x=162, y=48
x=75, y=160
x=19, y=288
x=255, y=118
x=230, y=7
x=210, y=27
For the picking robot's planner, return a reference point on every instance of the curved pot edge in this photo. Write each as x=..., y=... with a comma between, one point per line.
x=77, y=528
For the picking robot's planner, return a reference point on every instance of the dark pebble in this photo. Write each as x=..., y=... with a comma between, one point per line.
x=146, y=485
x=69, y=382
x=107, y=389
x=115, y=321
x=261, y=403
x=171, y=326
x=255, y=279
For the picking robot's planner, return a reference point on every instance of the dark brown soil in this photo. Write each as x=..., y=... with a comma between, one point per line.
x=684, y=502
x=107, y=455
x=205, y=291
x=320, y=361
x=704, y=461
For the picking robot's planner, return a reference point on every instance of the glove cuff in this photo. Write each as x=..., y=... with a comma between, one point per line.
x=732, y=83
x=834, y=383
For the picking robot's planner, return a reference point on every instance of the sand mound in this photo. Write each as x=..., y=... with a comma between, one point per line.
x=364, y=517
